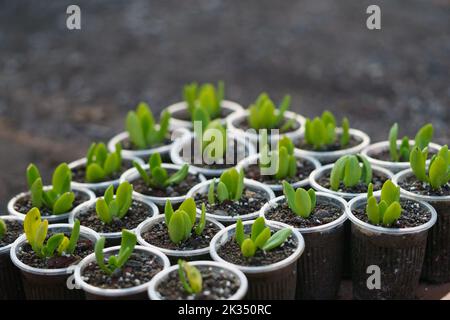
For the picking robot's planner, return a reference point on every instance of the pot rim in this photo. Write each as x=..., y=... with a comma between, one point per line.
x=54, y=217
x=322, y=228
x=7, y=248
x=223, y=236
x=153, y=293
x=142, y=227
x=248, y=183
x=115, y=292
x=86, y=232
x=346, y=195
x=391, y=231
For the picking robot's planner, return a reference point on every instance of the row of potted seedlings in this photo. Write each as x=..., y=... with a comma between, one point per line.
x=291, y=246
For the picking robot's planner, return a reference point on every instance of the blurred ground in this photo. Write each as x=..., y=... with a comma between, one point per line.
x=61, y=89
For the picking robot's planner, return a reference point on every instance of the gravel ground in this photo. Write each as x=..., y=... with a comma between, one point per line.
x=61, y=89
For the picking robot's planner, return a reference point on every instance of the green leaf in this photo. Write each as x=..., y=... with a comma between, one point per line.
x=202, y=116
x=418, y=160
x=239, y=233
x=390, y=192
x=319, y=133
x=74, y=236
x=100, y=154
x=164, y=122
x=392, y=214
x=222, y=192
x=277, y=239
x=182, y=277
x=352, y=173
x=62, y=247
x=370, y=191
x=110, y=164
x=49, y=198
x=372, y=210
x=190, y=95
x=366, y=170
x=202, y=222
x=160, y=176
x=113, y=208
x=309, y=137
x=337, y=172
x=424, y=136
x=102, y=210
x=99, y=256
x=62, y=177
x=312, y=197
x=126, y=247
x=189, y=207
x=39, y=237
x=239, y=185
x=64, y=203
x=211, y=194
x=168, y=212
x=283, y=107
x=177, y=226
x=262, y=238
x=94, y=173
x=345, y=137
x=52, y=243
x=37, y=193
x=124, y=198
x=289, y=193
x=248, y=248
x=282, y=164
x=382, y=207
x=194, y=277
x=404, y=149
x=109, y=194
x=3, y=228
x=438, y=172
x=32, y=175
x=257, y=227
x=393, y=134
x=135, y=131
x=90, y=155
x=31, y=223
x=303, y=203
x=178, y=176
x=142, y=173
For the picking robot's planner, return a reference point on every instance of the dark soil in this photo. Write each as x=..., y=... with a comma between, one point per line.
x=231, y=252
x=218, y=284
x=413, y=215
x=304, y=168
x=378, y=179
x=384, y=155
x=23, y=204
x=158, y=236
x=354, y=141
x=324, y=212
x=137, y=213
x=14, y=229
x=175, y=190
x=79, y=173
x=411, y=184
x=139, y=269
x=127, y=145
x=186, y=116
x=243, y=124
x=250, y=202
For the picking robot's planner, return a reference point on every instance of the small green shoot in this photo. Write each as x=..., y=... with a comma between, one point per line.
x=181, y=223
x=350, y=170
x=264, y=115
x=100, y=164
x=3, y=229
x=321, y=132
x=205, y=99
x=388, y=210
x=438, y=173
x=283, y=160
x=402, y=152
x=190, y=277
x=110, y=206
x=300, y=201
x=230, y=186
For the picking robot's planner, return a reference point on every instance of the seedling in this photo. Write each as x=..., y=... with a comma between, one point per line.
x=142, y=129
x=36, y=233
x=190, y=277
x=388, y=210
x=59, y=199
x=3, y=229
x=206, y=99
x=283, y=159
x=300, y=201
x=264, y=114
x=110, y=206
x=230, y=186
x=214, y=140
x=350, y=170
x=115, y=262
x=402, y=152
x=321, y=132
x=157, y=177
x=259, y=238
x=100, y=164
x=181, y=222
x=439, y=170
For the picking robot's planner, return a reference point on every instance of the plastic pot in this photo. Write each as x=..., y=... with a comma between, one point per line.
x=331, y=156
x=397, y=252
x=174, y=255
x=179, y=113
x=203, y=187
x=132, y=174
x=161, y=277
x=373, y=149
x=436, y=266
x=244, y=148
x=321, y=264
x=276, y=281
x=49, y=284
x=56, y=218
x=99, y=188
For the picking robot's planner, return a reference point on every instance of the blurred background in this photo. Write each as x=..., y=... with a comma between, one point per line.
x=61, y=89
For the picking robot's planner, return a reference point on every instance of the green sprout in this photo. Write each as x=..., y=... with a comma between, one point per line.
x=110, y=207
x=321, y=132
x=402, y=152
x=264, y=115
x=100, y=164
x=350, y=170
x=300, y=201
x=230, y=186
x=283, y=159
x=259, y=238
x=214, y=140
x=142, y=129
x=181, y=222
x=59, y=199
x=205, y=99
x=190, y=277
x=3, y=229
x=439, y=170
x=157, y=177
x=388, y=210
x=115, y=262
x=36, y=233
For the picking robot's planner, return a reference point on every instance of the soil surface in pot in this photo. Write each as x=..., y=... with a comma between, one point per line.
x=218, y=284
x=158, y=236
x=23, y=204
x=138, y=212
x=139, y=269
x=231, y=252
x=14, y=229
x=324, y=212
x=304, y=168
x=413, y=215
x=384, y=155
x=79, y=172
x=176, y=190
x=28, y=256
x=412, y=184
x=251, y=201
x=336, y=146
x=128, y=145
x=378, y=179
x=242, y=123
